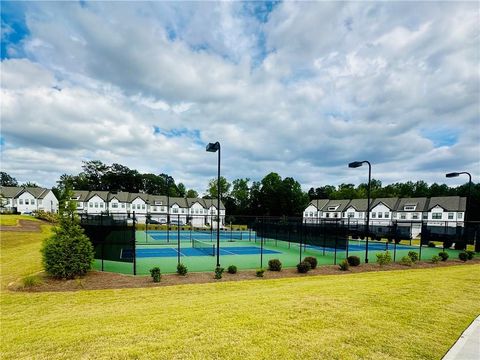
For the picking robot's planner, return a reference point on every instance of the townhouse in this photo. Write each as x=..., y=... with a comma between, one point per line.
x=27, y=199
x=446, y=211
x=151, y=208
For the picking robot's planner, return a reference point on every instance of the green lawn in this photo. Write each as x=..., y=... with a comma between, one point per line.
x=12, y=220
x=407, y=314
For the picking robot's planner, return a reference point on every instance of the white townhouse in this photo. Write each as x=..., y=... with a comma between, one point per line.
x=407, y=212
x=199, y=212
x=27, y=199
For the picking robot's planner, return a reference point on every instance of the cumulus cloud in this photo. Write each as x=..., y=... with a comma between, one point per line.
x=298, y=88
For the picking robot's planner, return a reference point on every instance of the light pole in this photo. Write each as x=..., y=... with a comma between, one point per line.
x=214, y=147
x=357, y=164
x=467, y=210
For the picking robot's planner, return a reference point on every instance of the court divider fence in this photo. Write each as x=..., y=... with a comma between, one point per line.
x=132, y=244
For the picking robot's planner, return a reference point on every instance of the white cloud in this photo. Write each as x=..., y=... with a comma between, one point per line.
x=338, y=82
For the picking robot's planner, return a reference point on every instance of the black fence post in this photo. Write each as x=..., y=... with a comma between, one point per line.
x=394, y=250
x=261, y=243
x=178, y=239
x=134, y=245
x=301, y=240
x=420, y=252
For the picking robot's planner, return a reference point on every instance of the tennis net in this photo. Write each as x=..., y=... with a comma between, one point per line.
x=205, y=247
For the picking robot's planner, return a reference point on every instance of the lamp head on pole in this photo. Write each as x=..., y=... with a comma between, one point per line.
x=213, y=147
x=355, y=164
x=452, y=174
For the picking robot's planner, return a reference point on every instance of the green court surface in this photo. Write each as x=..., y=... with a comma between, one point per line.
x=155, y=251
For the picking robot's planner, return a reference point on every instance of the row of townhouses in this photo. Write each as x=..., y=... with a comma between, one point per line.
x=195, y=211
x=27, y=199
x=436, y=211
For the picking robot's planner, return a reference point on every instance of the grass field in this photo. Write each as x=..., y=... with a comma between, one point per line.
x=12, y=220
x=407, y=314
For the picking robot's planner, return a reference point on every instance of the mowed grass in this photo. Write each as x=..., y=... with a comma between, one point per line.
x=407, y=314
x=12, y=220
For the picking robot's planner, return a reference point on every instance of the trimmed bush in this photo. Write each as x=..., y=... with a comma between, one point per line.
x=353, y=260
x=413, y=256
x=431, y=244
x=344, y=265
x=155, y=274
x=443, y=255
x=303, y=267
x=312, y=261
x=232, y=269
x=31, y=281
x=274, y=265
x=259, y=272
x=470, y=254
x=47, y=216
x=384, y=258
x=182, y=269
x=463, y=256
x=218, y=272
x=436, y=259
x=406, y=261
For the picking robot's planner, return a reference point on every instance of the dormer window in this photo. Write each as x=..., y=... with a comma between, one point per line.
x=410, y=207
x=75, y=198
x=158, y=202
x=333, y=208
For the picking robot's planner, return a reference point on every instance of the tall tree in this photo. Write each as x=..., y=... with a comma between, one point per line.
x=7, y=180
x=241, y=194
x=30, y=184
x=191, y=194
x=212, y=190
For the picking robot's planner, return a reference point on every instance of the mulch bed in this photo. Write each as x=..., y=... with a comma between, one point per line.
x=25, y=226
x=96, y=280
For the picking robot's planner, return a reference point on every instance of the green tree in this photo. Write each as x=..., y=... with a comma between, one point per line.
x=212, y=187
x=30, y=184
x=241, y=194
x=7, y=180
x=191, y=194
x=181, y=190
x=68, y=252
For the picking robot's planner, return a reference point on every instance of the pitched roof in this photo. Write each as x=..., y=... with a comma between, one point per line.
x=181, y=202
x=342, y=204
x=319, y=203
x=420, y=202
x=80, y=194
x=156, y=199
x=359, y=204
x=142, y=196
x=121, y=196
x=10, y=191
x=391, y=203
x=449, y=203
x=101, y=194
x=213, y=202
x=191, y=201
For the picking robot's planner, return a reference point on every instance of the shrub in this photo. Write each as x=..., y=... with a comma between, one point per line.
x=443, y=255
x=384, y=258
x=406, y=261
x=312, y=261
x=31, y=281
x=259, y=272
x=431, y=244
x=413, y=256
x=436, y=259
x=470, y=254
x=274, y=265
x=353, y=260
x=218, y=272
x=304, y=267
x=344, y=265
x=156, y=274
x=463, y=256
x=232, y=269
x=47, y=216
x=459, y=245
x=182, y=269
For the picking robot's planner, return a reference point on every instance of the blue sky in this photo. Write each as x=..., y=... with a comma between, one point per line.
x=300, y=88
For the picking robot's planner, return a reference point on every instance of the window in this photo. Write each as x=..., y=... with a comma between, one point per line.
x=350, y=215
x=96, y=204
x=394, y=215
x=32, y=202
x=196, y=211
x=437, y=216
x=332, y=208
x=450, y=216
x=162, y=208
x=183, y=211
x=26, y=201
x=415, y=216
x=90, y=204
x=425, y=216
x=143, y=206
x=387, y=215
x=409, y=207
x=175, y=210
x=20, y=201
x=311, y=214
x=39, y=202
x=138, y=206
x=327, y=215
x=79, y=205
x=101, y=205
x=380, y=215
x=114, y=205
x=460, y=215
x=335, y=215
x=374, y=215
x=403, y=216
x=123, y=206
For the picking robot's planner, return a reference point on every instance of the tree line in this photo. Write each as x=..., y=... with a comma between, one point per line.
x=271, y=196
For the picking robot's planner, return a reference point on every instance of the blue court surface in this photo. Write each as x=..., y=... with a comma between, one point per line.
x=173, y=252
